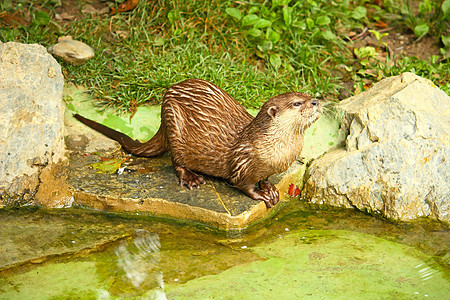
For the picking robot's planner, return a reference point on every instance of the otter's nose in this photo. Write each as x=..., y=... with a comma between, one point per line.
x=315, y=102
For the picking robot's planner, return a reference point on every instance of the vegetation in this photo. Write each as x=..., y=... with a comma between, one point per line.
x=252, y=49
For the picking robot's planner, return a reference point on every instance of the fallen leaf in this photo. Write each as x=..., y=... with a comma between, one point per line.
x=123, y=34
x=368, y=86
x=351, y=34
x=104, y=10
x=381, y=24
x=379, y=3
x=371, y=72
x=133, y=108
x=293, y=191
x=89, y=9
x=12, y=20
x=126, y=6
x=108, y=166
x=64, y=16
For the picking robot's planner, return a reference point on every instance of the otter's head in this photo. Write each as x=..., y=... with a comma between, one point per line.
x=293, y=110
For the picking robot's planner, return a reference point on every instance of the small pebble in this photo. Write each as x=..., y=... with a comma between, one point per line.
x=176, y=279
x=244, y=247
x=72, y=51
x=286, y=229
x=73, y=242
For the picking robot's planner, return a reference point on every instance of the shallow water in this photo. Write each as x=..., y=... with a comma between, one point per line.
x=304, y=251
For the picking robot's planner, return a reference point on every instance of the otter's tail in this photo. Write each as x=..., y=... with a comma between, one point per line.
x=155, y=146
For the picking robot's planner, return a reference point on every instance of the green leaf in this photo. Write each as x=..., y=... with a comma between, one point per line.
x=310, y=23
x=287, y=15
x=171, y=16
x=275, y=61
x=300, y=24
x=365, y=52
x=265, y=46
x=421, y=29
x=359, y=12
x=41, y=18
x=276, y=3
x=446, y=41
x=234, y=12
x=159, y=41
x=378, y=35
x=323, y=20
x=254, y=32
x=434, y=59
x=446, y=7
x=7, y=5
x=424, y=7
x=71, y=107
x=272, y=35
x=249, y=20
x=253, y=10
x=328, y=35
x=262, y=23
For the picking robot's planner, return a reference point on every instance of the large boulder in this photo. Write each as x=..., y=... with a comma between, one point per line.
x=396, y=160
x=31, y=118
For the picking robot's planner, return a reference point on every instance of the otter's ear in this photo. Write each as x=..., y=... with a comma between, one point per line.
x=272, y=111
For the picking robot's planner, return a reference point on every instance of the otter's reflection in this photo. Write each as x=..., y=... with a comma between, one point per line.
x=140, y=261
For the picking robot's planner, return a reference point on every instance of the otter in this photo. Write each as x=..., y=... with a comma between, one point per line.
x=207, y=131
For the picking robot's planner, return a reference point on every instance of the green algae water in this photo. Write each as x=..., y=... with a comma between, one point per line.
x=304, y=252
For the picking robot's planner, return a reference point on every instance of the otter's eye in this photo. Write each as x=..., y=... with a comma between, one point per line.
x=297, y=104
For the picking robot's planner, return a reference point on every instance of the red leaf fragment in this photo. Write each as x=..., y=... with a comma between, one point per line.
x=293, y=191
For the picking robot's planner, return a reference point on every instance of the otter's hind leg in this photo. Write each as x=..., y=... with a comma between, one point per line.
x=175, y=118
x=188, y=178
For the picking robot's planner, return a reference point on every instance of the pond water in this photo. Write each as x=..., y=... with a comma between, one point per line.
x=305, y=251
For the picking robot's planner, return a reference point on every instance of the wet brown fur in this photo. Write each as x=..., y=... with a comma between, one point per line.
x=208, y=131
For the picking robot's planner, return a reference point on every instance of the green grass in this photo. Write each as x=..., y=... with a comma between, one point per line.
x=253, y=49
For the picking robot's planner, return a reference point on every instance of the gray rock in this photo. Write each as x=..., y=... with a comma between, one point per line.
x=31, y=117
x=396, y=162
x=72, y=51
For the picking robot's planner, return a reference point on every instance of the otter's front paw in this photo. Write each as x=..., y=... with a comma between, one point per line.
x=268, y=188
x=189, y=178
x=267, y=192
